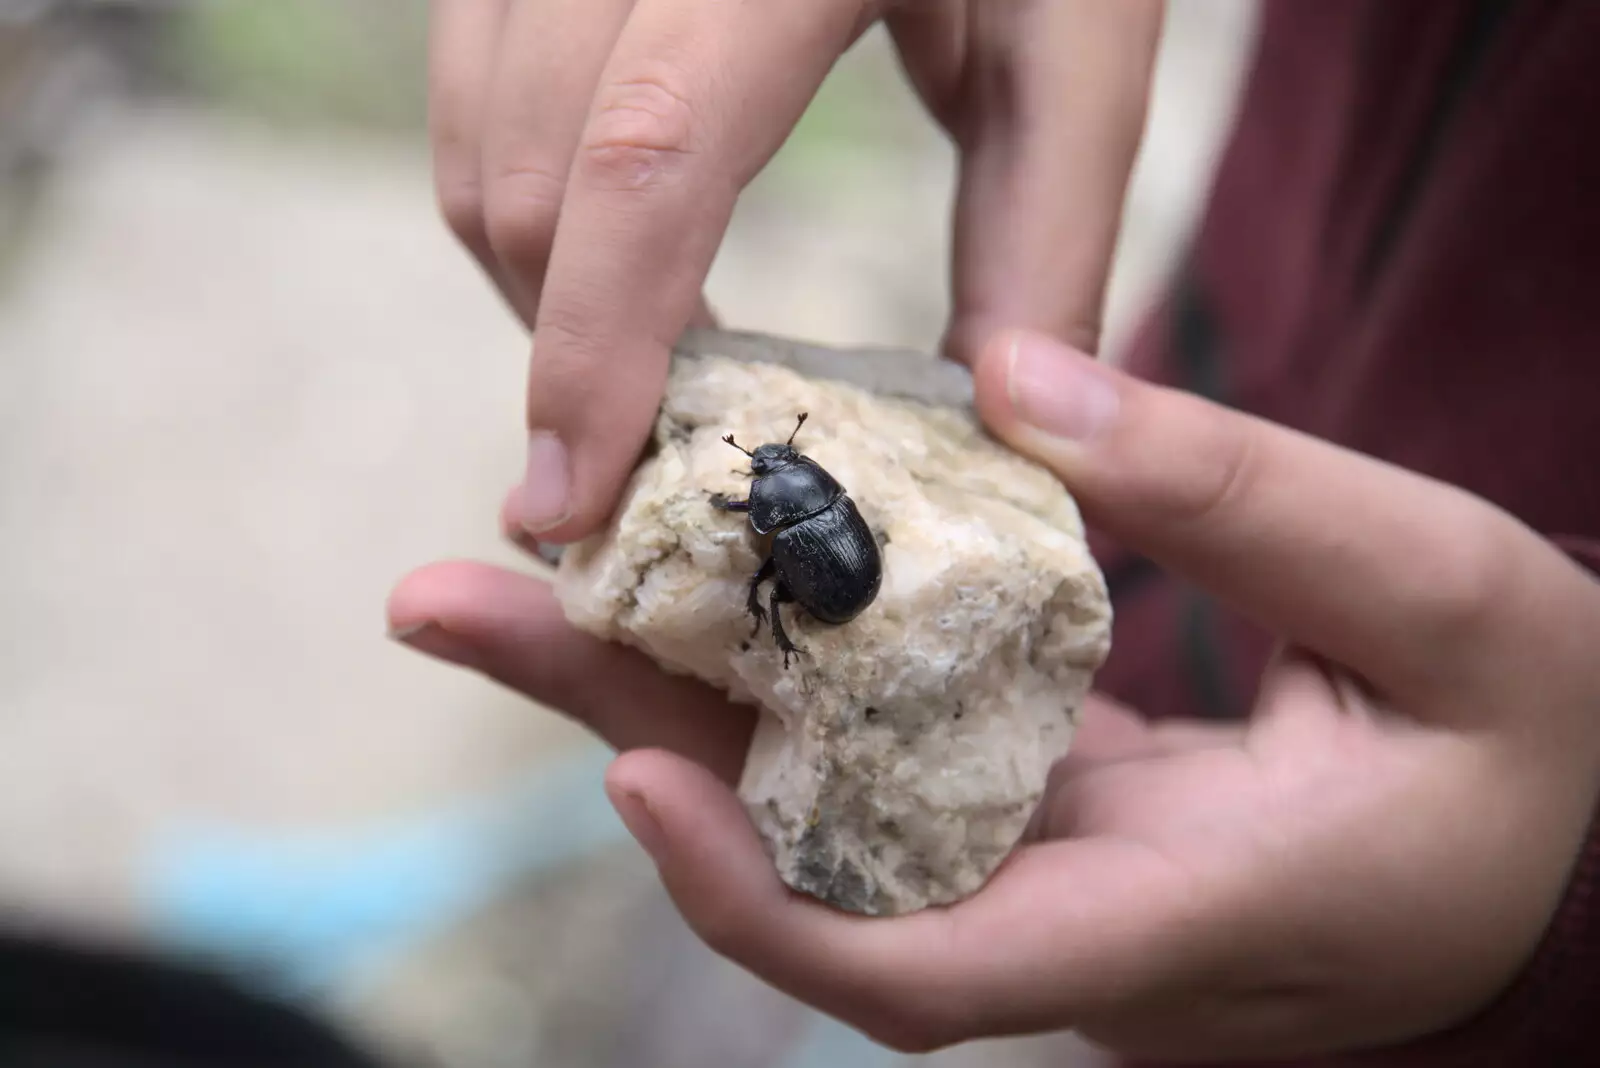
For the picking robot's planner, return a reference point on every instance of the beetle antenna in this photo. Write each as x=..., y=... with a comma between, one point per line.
x=797, y=427
x=729, y=439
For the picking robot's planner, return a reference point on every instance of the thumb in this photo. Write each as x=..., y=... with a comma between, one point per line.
x=1381, y=569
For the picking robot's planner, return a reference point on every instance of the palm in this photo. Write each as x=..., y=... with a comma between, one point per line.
x=1267, y=840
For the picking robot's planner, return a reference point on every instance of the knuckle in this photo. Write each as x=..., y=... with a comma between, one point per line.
x=457, y=188
x=568, y=356
x=1086, y=333
x=642, y=130
x=724, y=932
x=1458, y=581
x=573, y=382
x=909, y=1042
x=520, y=210
x=1226, y=464
x=911, y=1033
x=461, y=205
x=932, y=1013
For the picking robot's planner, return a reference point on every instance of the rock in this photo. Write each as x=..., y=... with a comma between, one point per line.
x=899, y=757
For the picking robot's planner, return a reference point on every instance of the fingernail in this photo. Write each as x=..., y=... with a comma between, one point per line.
x=513, y=531
x=430, y=638
x=1059, y=390
x=550, y=554
x=545, y=487
x=523, y=540
x=636, y=816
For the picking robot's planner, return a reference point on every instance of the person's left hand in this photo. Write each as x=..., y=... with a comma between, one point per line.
x=590, y=154
x=1372, y=856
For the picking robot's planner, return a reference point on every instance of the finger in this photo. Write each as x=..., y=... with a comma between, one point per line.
x=1047, y=103
x=1061, y=926
x=1106, y=733
x=462, y=45
x=497, y=179
x=549, y=556
x=1397, y=576
x=1107, y=736
x=693, y=102
x=551, y=55
x=1111, y=733
x=510, y=628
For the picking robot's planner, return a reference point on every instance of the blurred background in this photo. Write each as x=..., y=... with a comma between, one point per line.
x=246, y=383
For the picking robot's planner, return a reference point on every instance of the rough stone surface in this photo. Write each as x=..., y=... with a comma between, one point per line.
x=899, y=757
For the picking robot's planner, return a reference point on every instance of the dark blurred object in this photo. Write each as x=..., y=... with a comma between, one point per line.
x=57, y=59
x=70, y=1005
x=348, y=64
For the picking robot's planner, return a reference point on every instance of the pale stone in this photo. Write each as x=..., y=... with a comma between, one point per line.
x=900, y=756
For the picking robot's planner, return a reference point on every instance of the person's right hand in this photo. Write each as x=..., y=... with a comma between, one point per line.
x=1372, y=856
x=589, y=153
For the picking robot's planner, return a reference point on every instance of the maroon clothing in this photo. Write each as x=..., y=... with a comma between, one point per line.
x=1402, y=255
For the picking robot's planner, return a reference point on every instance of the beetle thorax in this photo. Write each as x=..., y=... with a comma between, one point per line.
x=789, y=493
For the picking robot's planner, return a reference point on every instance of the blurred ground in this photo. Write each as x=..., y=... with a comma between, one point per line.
x=246, y=383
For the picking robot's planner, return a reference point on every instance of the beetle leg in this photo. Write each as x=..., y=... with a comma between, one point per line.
x=727, y=504
x=781, y=595
x=753, y=602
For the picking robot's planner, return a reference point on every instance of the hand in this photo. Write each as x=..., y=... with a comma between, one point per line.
x=589, y=153
x=1371, y=856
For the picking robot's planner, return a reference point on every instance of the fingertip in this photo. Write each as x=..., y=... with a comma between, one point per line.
x=711, y=859
x=511, y=514
x=482, y=609
x=1056, y=405
x=435, y=610
x=587, y=517
x=991, y=371
x=546, y=552
x=403, y=610
x=591, y=427
x=634, y=809
x=434, y=591
x=633, y=773
x=542, y=505
x=996, y=385
x=705, y=316
x=698, y=813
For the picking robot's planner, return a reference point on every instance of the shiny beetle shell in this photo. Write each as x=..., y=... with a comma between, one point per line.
x=824, y=557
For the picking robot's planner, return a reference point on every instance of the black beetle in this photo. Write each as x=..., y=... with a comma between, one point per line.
x=823, y=553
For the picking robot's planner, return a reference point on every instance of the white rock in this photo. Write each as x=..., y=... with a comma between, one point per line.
x=900, y=756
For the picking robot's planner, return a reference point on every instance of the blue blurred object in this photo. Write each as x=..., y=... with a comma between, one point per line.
x=301, y=915
x=827, y=1043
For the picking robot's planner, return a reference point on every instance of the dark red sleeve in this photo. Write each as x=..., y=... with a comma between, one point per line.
x=1586, y=551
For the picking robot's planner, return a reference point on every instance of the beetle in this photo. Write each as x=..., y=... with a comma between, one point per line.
x=823, y=556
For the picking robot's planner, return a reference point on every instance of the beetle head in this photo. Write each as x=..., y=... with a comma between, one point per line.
x=768, y=458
